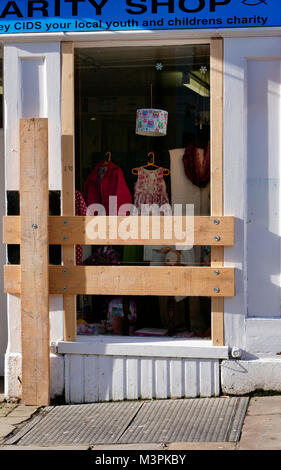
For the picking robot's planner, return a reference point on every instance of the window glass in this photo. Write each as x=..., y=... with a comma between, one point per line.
x=143, y=136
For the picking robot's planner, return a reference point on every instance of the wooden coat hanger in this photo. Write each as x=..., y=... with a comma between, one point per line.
x=151, y=163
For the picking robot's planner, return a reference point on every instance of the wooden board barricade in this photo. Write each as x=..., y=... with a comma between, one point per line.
x=68, y=173
x=132, y=280
x=69, y=231
x=34, y=273
x=217, y=253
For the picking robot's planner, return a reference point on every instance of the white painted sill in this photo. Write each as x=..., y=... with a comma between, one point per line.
x=143, y=347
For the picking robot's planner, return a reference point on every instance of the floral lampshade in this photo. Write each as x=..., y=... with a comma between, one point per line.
x=151, y=122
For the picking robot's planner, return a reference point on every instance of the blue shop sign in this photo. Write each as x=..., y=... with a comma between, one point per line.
x=28, y=16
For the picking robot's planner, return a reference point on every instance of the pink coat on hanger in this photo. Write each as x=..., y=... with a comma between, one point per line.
x=97, y=190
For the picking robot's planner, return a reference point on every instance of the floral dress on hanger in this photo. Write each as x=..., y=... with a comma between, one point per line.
x=150, y=188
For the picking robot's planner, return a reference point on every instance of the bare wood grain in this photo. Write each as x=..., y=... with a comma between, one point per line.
x=217, y=253
x=68, y=173
x=131, y=280
x=34, y=271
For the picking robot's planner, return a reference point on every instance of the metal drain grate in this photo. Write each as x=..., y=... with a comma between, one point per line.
x=195, y=420
x=186, y=420
x=76, y=424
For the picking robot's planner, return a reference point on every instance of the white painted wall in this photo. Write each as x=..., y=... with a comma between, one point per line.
x=33, y=91
x=3, y=299
x=252, y=80
x=263, y=191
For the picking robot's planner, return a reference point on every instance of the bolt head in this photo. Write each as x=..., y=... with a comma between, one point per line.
x=217, y=238
x=216, y=290
x=236, y=352
x=216, y=221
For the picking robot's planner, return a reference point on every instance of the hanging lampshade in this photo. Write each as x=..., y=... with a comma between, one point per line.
x=151, y=122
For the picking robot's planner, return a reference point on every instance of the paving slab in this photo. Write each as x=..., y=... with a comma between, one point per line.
x=13, y=420
x=169, y=447
x=202, y=446
x=5, y=430
x=261, y=432
x=7, y=408
x=265, y=405
x=44, y=448
x=23, y=411
x=113, y=447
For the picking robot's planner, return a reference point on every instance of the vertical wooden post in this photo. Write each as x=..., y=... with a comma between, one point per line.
x=34, y=209
x=217, y=253
x=68, y=173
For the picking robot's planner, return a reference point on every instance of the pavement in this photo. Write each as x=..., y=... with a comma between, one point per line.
x=261, y=430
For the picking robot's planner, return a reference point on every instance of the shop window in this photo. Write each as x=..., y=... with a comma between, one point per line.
x=159, y=155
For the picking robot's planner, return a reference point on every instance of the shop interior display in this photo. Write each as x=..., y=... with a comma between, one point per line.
x=119, y=153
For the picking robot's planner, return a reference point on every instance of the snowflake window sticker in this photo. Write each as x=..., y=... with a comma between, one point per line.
x=159, y=66
x=203, y=69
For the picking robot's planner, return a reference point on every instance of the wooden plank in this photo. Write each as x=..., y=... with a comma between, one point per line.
x=104, y=377
x=11, y=230
x=34, y=271
x=91, y=389
x=191, y=378
x=78, y=230
x=77, y=377
x=131, y=280
x=217, y=253
x=68, y=173
x=176, y=378
x=161, y=378
x=133, y=366
x=146, y=378
x=118, y=382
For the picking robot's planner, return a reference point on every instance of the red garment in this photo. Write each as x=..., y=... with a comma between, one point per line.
x=197, y=172
x=98, y=189
x=80, y=209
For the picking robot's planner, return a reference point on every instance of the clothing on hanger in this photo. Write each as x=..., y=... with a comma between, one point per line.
x=196, y=160
x=80, y=209
x=105, y=181
x=150, y=188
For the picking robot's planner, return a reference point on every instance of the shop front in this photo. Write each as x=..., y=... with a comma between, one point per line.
x=142, y=200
